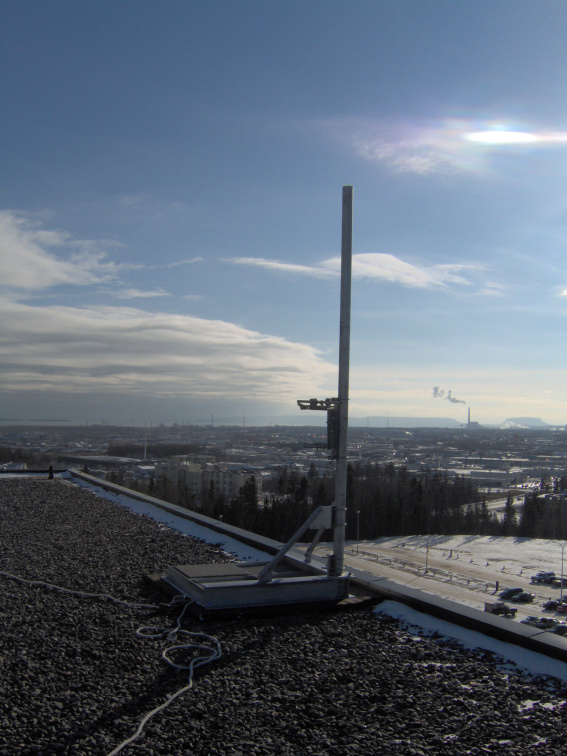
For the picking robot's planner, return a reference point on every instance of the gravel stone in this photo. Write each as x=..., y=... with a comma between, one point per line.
x=75, y=679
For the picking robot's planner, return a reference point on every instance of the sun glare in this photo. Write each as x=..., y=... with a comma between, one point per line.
x=503, y=137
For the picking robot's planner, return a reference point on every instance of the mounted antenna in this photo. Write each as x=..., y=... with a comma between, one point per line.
x=285, y=581
x=337, y=408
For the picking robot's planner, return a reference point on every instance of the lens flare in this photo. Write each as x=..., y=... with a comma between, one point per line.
x=503, y=137
x=498, y=136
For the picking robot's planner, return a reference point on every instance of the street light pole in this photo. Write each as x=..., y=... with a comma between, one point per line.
x=357, y=528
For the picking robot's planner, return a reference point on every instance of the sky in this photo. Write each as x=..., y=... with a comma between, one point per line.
x=170, y=208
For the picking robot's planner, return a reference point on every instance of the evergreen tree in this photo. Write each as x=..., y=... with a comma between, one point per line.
x=510, y=519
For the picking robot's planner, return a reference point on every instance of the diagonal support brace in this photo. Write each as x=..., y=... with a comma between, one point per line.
x=320, y=518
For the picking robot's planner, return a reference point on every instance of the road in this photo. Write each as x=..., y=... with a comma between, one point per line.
x=459, y=577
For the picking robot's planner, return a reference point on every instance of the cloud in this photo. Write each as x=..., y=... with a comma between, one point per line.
x=188, y=261
x=438, y=146
x=124, y=351
x=304, y=270
x=404, y=156
x=491, y=289
x=387, y=267
x=137, y=294
x=26, y=262
x=403, y=146
x=372, y=265
x=33, y=258
x=130, y=351
x=184, y=262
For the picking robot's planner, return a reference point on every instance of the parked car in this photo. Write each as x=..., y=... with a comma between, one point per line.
x=552, y=605
x=508, y=593
x=543, y=623
x=543, y=577
x=531, y=620
x=562, y=609
x=525, y=597
x=547, y=623
x=560, y=629
x=557, y=581
x=499, y=607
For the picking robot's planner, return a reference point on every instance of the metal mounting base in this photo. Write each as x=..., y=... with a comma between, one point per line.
x=234, y=587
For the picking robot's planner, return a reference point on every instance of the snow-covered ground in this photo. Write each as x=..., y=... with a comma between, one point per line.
x=470, y=569
x=514, y=554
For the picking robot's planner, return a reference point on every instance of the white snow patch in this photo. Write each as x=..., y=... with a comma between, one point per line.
x=536, y=664
x=175, y=522
x=514, y=554
x=529, y=704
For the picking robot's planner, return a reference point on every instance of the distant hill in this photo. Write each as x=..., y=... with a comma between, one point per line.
x=524, y=422
x=376, y=421
x=405, y=422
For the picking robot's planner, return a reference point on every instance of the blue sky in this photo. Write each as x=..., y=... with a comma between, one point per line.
x=170, y=207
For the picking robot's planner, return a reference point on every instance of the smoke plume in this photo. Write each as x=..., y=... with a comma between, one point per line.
x=439, y=393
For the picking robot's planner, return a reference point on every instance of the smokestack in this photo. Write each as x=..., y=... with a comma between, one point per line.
x=469, y=420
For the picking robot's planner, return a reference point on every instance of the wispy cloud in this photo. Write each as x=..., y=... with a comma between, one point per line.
x=421, y=155
x=138, y=294
x=385, y=267
x=372, y=265
x=27, y=260
x=176, y=264
x=405, y=147
x=492, y=289
x=132, y=351
x=189, y=261
x=281, y=267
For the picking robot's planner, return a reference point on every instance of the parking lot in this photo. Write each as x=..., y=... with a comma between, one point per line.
x=470, y=570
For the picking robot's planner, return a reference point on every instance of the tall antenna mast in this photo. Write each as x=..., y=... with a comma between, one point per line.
x=337, y=407
x=284, y=580
x=335, y=567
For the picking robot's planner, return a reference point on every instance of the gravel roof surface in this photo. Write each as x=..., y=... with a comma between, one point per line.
x=76, y=679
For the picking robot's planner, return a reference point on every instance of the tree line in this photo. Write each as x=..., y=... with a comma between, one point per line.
x=382, y=500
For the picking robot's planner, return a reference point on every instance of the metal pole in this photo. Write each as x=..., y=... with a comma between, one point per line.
x=562, y=550
x=336, y=562
x=357, y=529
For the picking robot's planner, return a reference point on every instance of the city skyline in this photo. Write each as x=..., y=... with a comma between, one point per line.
x=170, y=208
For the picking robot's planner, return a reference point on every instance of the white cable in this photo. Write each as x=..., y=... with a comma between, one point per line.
x=213, y=651
x=77, y=593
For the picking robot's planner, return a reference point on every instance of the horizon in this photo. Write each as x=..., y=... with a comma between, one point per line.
x=283, y=421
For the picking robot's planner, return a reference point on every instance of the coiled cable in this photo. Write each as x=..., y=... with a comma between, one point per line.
x=201, y=642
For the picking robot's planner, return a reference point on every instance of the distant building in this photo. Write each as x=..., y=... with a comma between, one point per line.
x=199, y=479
